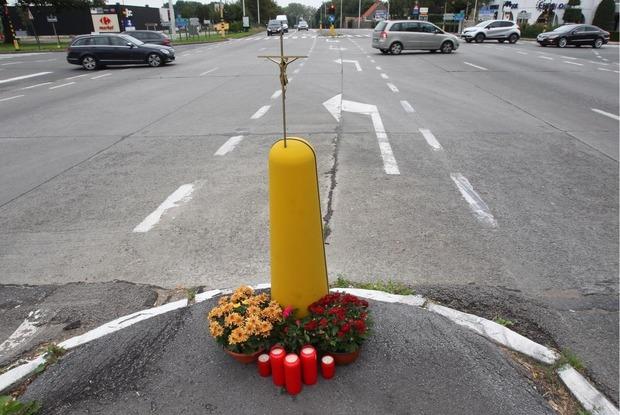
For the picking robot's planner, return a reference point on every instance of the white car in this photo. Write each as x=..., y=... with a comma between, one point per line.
x=303, y=25
x=500, y=30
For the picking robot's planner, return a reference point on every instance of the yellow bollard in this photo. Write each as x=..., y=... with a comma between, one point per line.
x=298, y=267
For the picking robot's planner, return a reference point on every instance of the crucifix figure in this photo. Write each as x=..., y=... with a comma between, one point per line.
x=283, y=61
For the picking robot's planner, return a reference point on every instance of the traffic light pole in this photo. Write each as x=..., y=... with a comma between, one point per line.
x=341, y=14
x=359, y=13
x=173, y=24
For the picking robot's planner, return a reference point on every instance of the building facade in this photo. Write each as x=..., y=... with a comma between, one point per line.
x=531, y=11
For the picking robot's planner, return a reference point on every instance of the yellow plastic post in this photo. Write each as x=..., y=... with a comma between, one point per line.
x=298, y=267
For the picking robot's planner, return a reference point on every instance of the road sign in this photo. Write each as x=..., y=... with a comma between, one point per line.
x=423, y=11
x=448, y=17
x=459, y=17
x=52, y=19
x=331, y=18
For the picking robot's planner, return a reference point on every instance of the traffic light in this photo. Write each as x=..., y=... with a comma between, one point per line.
x=331, y=9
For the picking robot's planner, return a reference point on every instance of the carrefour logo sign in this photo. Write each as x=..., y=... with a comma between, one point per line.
x=543, y=5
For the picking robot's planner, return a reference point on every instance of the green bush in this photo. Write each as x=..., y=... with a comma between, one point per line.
x=236, y=26
x=614, y=36
x=531, y=31
x=604, y=16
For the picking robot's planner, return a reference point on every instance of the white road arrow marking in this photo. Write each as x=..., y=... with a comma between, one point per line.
x=336, y=105
x=356, y=63
x=477, y=205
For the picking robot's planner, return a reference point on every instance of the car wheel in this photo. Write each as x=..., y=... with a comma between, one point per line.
x=447, y=47
x=512, y=39
x=384, y=51
x=154, y=60
x=501, y=40
x=468, y=40
x=479, y=38
x=597, y=43
x=396, y=48
x=562, y=42
x=89, y=63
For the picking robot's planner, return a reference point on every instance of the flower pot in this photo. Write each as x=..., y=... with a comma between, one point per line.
x=342, y=359
x=244, y=358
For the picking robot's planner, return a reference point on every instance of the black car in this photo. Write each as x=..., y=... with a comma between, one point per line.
x=149, y=36
x=274, y=27
x=93, y=51
x=574, y=34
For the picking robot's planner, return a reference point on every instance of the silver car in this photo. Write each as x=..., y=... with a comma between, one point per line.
x=500, y=30
x=394, y=36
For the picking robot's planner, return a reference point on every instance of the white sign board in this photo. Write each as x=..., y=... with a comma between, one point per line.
x=164, y=15
x=246, y=21
x=423, y=10
x=52, y=19
x=105, y=23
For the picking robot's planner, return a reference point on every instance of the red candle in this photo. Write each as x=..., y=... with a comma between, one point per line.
x=309, y=365
x=276, y=356
x=264, y=365
x=292, y=374
x=328, y=367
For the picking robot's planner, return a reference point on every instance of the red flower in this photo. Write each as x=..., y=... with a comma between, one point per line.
x=311, y=325
x=288, y=310
x=323, y=322
x=345, y=328
x=340, y=333
x=359, y=326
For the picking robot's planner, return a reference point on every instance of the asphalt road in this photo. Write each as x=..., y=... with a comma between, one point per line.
x=507, y=162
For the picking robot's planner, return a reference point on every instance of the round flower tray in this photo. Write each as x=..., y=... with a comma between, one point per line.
x=244, y=358
x=343, y=359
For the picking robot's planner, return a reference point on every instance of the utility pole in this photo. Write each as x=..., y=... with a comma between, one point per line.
x=475, y=7
x=341, y=14
x=359, y=13
x=258, y=11
x=173, y=24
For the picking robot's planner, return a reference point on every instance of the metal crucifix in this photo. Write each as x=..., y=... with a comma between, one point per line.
x=283, y=61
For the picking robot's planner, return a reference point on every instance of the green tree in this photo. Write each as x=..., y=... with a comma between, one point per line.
x=297, y=11
x=604, y=16
x=572, y=14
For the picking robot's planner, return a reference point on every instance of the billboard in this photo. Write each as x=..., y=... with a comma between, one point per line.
x=103, y=23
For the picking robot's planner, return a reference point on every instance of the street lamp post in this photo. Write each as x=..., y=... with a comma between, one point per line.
x=341, y=14
x=359, y=13
x=173, y=24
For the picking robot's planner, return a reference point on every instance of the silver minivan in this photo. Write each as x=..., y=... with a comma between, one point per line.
x=394, y=36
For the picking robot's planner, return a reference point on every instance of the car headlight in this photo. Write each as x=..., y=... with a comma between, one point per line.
x=553, y=37
x=165, y=51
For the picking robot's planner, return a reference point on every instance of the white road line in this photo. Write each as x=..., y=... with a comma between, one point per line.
x=182, y=194
x=229, y=145
x=261, y=111
x=19, y=78
x=392, y=87
x=76, y=76
x=101, y=76
x=22, y=333
x=36, y=85
x=521, y=53
x=407, y=106
x=10, y=98
x=477, y=205
x=389, y=161
x=430, y=139
x=384, y=76
x=378, y=68
x=475, y=66
x=607, y=114
x=607, y=70
x=276, y=94
x=63, y=85
x=209, y=71
x=599, y=63
x=546, y=57
x=567, y=57
x=45, y=60
x=573, y=63
x=373, y=61
x=12, y=63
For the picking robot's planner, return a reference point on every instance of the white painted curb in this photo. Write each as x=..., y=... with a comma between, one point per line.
x=587, y=395
x=590, y=398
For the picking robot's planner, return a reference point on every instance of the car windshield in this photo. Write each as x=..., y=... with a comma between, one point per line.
x=565, y=28
x=133, y=40
x=274, y=23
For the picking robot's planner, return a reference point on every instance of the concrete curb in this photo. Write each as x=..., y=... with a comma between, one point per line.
x=589, y=397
